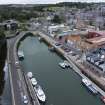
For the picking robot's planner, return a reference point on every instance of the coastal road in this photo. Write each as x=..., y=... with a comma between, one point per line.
x=17, y=90
x=17, y=80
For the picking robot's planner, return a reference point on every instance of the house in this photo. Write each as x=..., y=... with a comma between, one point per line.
x=11, y=24
x=100, y=22
x=56, y=29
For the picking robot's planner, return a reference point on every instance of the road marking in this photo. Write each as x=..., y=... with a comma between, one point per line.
x=11, y=82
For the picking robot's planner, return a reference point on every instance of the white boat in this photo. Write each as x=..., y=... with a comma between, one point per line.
x=20, y=54
x=40, y=93
x=89, y=85
x=67, y=63
x=86, y=81
x=30, y=75
x=34, y=81
x=64, y=64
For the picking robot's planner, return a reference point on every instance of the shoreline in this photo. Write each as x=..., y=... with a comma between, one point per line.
x=77, y=66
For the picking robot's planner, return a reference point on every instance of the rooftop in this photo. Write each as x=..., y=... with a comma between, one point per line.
x=97, y=40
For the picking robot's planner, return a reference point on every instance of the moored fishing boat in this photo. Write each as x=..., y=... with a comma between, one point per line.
x=40, y=93
x=89, y=85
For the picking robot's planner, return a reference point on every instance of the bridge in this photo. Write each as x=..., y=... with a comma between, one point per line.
x=20, y=84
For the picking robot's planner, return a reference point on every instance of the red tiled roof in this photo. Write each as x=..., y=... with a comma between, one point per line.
x=97, y=40
x=102, y=33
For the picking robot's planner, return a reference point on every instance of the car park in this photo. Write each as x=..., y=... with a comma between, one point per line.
x=97, y=58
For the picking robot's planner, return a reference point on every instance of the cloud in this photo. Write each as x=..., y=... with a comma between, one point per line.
x=29, y=1
x=43, y=1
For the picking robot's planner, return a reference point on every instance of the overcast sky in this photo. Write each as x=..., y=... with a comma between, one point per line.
x=43, y=1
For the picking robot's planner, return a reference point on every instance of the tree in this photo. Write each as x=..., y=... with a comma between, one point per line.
x=56, y=19
x=2, y=35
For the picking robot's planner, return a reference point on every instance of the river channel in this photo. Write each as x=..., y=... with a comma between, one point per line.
x=61, y=86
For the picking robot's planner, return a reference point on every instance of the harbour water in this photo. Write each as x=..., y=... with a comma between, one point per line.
x=61, y=86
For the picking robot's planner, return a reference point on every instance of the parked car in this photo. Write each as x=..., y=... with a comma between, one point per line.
x=18, y=32
x=101, y=62
x=73, y=54
x=67, y=50
x=25, y=99
x=16, y=62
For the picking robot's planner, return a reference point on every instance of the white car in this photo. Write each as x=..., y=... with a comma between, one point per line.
x=70, y=52
x=16, y=62
x=25, y=99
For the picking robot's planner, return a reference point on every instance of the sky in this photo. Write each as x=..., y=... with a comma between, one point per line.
x=43, y=1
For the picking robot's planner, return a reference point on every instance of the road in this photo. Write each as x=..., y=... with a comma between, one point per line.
x=19, y=87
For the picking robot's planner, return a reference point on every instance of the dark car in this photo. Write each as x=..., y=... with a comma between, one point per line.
x=67, y=50
x=17, y=33
x=73, y=54
x=101, y=62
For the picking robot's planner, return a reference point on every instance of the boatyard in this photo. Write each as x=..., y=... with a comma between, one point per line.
x=44, y=74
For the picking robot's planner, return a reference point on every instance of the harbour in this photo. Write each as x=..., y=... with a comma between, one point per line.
x=60, y=86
